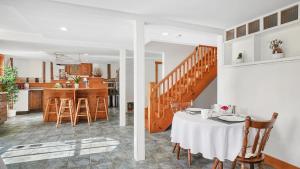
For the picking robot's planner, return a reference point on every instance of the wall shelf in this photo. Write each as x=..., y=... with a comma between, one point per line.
x=252, y=38
x=277, y=28
x=286, y=59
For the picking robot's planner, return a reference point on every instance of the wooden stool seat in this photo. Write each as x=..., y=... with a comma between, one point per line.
x=101, y=101
x=84, y=106
x=65, y=103
x=51, y=101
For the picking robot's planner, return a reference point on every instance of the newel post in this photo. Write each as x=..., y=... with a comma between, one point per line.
x=151, y=103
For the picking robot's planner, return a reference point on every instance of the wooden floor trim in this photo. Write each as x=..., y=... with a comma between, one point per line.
x=278, y=164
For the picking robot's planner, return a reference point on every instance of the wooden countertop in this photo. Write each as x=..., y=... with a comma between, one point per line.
x=90, y=93
x=104, y=88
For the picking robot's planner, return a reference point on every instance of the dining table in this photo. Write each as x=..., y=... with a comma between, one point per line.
x=212, y=137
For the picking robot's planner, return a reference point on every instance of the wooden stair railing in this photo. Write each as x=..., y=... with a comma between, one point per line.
x=184, y=84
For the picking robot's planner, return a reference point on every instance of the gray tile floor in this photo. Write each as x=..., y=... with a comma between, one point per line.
x=28, y=143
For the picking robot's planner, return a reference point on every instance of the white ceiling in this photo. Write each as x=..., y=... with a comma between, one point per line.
x=48, y=52
x=102, y=27
x=215, y=13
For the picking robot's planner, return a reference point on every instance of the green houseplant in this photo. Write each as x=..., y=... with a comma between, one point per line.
x=76, y=81
x=8, y=84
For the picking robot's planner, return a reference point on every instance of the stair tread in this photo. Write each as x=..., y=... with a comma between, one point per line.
x=190, y=84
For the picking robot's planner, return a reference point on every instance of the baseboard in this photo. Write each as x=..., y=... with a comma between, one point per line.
x=278, y=164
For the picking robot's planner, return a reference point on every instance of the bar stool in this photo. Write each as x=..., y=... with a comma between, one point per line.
x=86, y=107
x=101, y=101
x=65, y=103
x=51, y=101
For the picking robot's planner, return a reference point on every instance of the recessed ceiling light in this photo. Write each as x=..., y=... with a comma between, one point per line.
x=179, y=35
x=63, y=29
x=165, y=33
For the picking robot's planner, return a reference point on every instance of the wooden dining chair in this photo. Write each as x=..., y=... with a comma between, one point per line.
x=178, y=148
x=252, y=154
x=179, y=107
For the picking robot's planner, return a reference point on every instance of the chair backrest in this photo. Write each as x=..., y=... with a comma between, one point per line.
x=262, y=135
x=178, y=106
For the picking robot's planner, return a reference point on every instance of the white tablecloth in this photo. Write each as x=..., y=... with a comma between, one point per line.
x=209, y=137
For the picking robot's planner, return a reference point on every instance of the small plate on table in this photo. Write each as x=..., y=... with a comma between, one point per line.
x=232, y=118
x=194, y=109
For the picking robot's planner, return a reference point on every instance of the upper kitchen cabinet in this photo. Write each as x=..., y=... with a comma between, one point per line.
x=79, y=69
x=86, y=69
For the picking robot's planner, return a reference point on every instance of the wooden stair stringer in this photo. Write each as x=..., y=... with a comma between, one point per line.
x=161, y=124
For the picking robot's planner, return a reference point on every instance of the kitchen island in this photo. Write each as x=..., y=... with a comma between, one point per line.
x=3, y=107
x=90, y=93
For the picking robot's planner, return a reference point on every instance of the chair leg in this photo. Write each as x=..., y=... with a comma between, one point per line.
x=96, y=109
x=106, y=111
x=261, y=165
x=59, y=114
x=189, y=157
x=243, y=166
x=178, y=151
x=233, y=164
x=175, y=147
x=251, y=166
x=56, y=106
x=216, y=163
x=71, y=112
x=46, y=110
x=87, y=111
x=62, y=112
x=221, y=165
x=76, y=113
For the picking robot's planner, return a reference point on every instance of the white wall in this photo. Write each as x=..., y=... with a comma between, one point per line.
x=246, y=47
x=208, y=96
x=257, y=47
x=33, y=68
x=29, y=68
x=129, y=80
x=103, y=66
x=173, y=54
x=149, y=77
x=290, y=37
x=262, y=89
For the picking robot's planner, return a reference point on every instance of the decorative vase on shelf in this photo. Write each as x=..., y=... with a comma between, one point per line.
x=239, y=59
x=76, y=85
x=276, y=46
x=278, y=55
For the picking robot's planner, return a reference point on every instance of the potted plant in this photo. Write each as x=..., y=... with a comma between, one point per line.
x=76, y=81
x=276, y=46
x=239, y=58
x=8, y=84
x=97, y=72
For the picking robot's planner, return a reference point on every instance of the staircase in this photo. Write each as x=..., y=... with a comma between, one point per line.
x=180, y=87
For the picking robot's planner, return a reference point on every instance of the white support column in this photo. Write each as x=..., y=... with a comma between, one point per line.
x=122, y=84
x=221, y=61
x=139, y=91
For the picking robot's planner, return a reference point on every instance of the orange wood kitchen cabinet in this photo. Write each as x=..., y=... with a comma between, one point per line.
x=3, y=108
x=86, y=69
x=35, y=100
x=81, y=69
x=72, y=69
